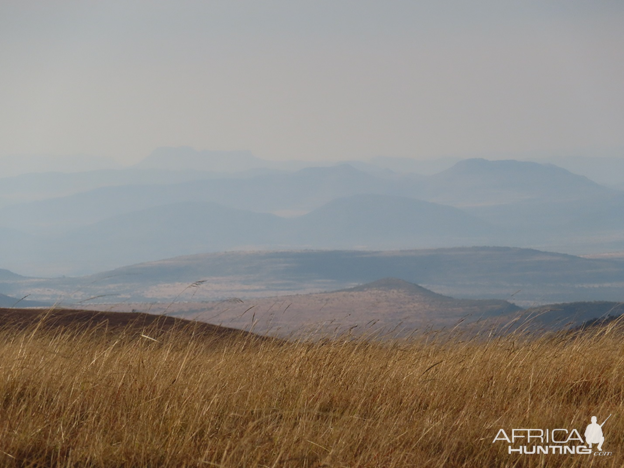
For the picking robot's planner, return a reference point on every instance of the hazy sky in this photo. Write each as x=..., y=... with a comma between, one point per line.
x=317, y=80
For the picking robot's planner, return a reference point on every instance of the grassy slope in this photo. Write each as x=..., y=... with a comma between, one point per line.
x=85, y=398
x=388, y=303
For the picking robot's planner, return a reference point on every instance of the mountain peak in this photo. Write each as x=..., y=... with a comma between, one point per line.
x=394, y=284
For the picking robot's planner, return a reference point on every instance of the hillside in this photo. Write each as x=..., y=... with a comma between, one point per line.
x=77, y=397
x=385, y=304
x=100, y=322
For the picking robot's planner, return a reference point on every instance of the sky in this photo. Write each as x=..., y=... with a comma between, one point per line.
x=318, y=80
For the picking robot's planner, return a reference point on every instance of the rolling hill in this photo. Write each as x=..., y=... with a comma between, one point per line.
x=384, y=304
x=133, y=325
x=528, y=277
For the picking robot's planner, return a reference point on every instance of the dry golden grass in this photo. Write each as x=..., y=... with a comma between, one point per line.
x=85, y=398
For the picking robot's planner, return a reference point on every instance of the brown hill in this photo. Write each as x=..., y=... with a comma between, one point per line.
x=133, y=323
x=385, y=304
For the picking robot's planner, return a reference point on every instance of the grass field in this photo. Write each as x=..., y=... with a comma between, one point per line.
x=168, y=397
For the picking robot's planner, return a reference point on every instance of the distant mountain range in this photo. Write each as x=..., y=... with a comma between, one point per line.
x=179, y=201
x=300, y=191
x=604, y=167
x=364, y=221
x=468, y=183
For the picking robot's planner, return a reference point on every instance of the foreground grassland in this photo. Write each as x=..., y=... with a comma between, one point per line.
x=88, y=398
